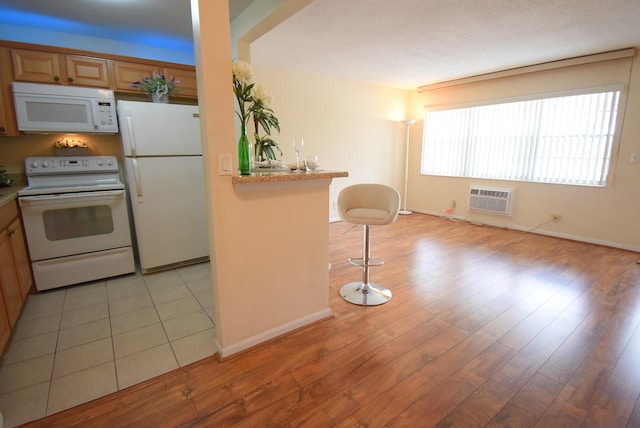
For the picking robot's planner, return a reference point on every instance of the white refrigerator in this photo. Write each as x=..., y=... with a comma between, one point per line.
x=164, y=173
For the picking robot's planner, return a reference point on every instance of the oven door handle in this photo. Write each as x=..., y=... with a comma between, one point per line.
x=60, y=197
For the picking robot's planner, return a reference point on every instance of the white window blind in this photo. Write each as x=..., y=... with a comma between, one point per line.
x=563, y=139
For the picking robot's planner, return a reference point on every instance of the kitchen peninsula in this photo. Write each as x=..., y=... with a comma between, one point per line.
x=285, y=177
x=269, y=241
x=281, y=269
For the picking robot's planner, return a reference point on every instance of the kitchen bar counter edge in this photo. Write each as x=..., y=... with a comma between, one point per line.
x=283, y=177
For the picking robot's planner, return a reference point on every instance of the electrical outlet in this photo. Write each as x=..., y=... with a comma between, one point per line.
x=555, y=216
x=453, y=204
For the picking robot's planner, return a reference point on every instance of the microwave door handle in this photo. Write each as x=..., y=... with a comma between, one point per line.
x=136, y=174
x=94, y=114
x=132, y=135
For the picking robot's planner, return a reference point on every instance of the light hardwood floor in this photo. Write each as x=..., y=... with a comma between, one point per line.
x=487, y=327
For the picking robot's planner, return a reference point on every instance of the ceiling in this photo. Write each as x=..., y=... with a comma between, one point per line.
x=398, y=43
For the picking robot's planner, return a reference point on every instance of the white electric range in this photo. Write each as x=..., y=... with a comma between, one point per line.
x=76, y=220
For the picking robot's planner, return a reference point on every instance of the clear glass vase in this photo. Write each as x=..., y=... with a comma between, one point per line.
x=244, y=153
x=159, y=98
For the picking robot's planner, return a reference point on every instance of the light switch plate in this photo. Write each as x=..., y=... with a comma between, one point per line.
x=224, y=164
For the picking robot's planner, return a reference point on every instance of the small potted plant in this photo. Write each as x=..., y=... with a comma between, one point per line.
x=158, y=87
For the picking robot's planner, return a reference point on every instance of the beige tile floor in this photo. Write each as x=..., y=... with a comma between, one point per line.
x=78, y=343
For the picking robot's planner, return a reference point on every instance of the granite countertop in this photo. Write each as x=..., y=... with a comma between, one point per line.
x=8, y=194
x=284, y=176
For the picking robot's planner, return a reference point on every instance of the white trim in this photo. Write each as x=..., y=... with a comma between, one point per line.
x=606, y=56
x=259, y=338
x=585, y=90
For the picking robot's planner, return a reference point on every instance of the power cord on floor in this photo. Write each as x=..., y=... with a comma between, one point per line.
x=350, y=229
x=475, y=222
x=541, y=224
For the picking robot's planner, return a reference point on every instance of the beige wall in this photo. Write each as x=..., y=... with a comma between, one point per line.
x=601, y=215
x=351, y=126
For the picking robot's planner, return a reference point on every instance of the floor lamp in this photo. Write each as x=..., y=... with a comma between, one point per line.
x=404, y=210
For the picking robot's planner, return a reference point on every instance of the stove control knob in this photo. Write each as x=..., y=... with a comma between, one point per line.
x=100, y=162
x=45, y=164
x=34, y=164
x=109, y=162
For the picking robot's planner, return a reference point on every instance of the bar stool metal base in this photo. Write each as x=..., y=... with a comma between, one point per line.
x=371, y=294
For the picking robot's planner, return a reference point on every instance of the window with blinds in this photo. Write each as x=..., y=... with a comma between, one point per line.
x=563, y=139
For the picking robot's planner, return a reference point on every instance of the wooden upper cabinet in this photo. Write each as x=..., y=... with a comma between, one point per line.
x=49, y=67
x=187, y=78
x=125, y=73
x=36, y=66
x=3, y=118
x=4, y=121
x=66, y=67
x=87, y=71
x=8, y=125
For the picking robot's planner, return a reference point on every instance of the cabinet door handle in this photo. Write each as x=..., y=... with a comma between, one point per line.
x=2, y=129
x=12, y=232
x=70, y=79
x=56, y=78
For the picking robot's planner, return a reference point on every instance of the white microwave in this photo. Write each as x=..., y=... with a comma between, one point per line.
x=54, y=108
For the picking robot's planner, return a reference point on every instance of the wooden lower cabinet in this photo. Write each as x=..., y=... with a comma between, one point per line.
x=21, y=261
x=15, y=270
x=9, y=280
x=5, y=328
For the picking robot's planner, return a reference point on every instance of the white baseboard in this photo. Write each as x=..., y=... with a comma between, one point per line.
x=226, y=351
x=519, y=228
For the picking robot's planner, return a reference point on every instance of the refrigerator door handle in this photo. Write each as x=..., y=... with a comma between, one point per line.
x=132, y=135
x=136, y=174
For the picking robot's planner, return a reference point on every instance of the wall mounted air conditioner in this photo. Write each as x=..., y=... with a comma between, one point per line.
x=492, y=200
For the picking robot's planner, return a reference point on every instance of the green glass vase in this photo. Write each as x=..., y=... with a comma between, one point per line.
x=244, y=153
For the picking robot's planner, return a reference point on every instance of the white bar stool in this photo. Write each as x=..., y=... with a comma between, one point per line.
x=367, y=204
